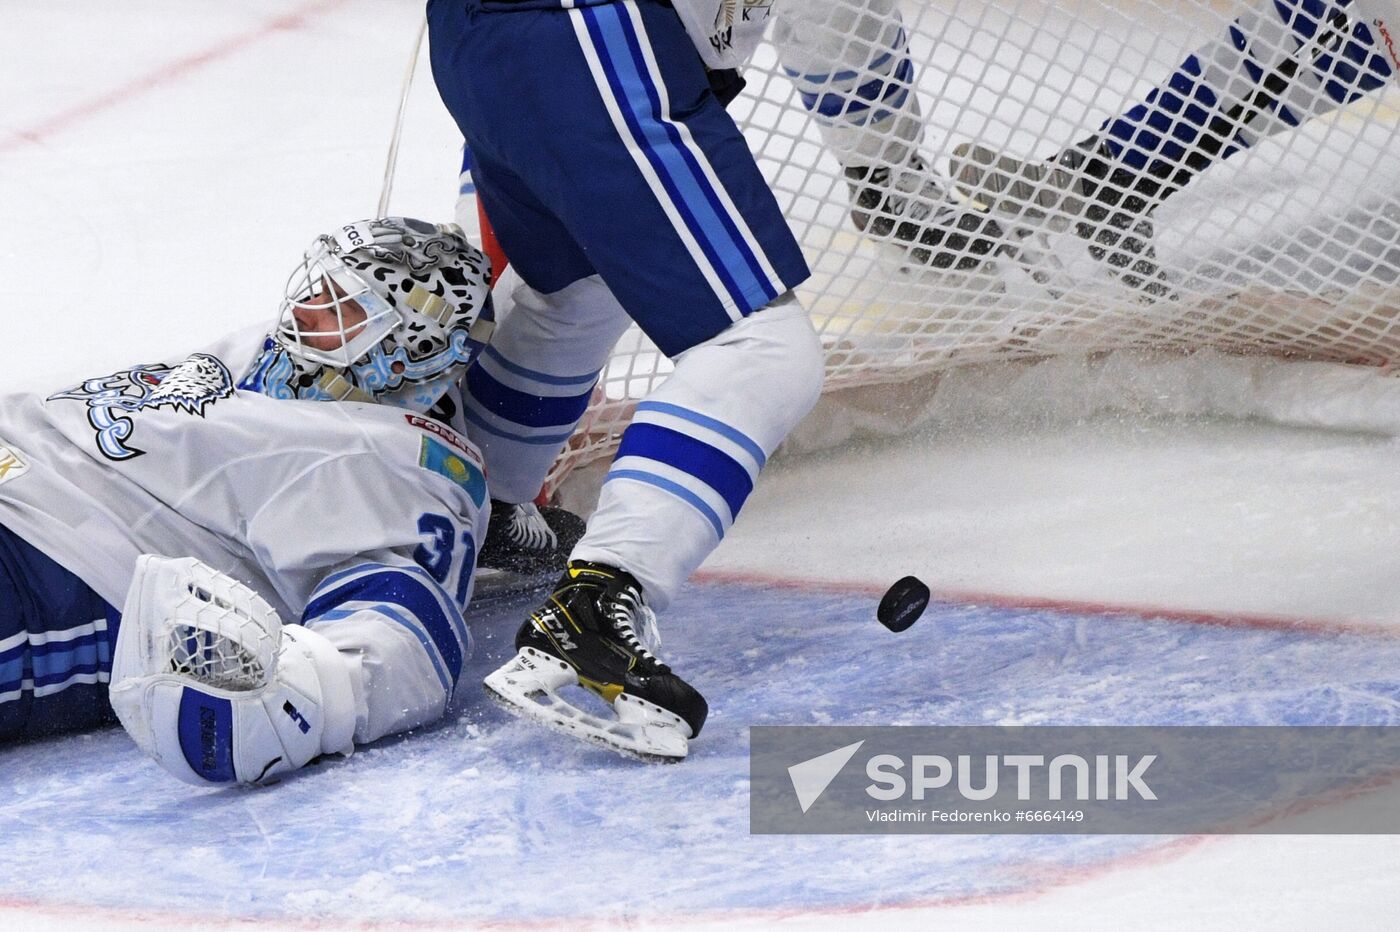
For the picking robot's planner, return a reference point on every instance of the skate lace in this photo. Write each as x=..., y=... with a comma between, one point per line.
x=528, y=528
x=627, y=612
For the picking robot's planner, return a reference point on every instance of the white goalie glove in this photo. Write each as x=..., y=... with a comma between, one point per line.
x=209, y=682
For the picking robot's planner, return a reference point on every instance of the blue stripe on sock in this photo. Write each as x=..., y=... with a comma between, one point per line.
x=533, y=375
x=12, y=673
x=724, y=430
x=676, y=489
x=884, y=88
x=58, y=676
x=714, y=468
x=524, y=408
x=475, y=418
x=53, y=661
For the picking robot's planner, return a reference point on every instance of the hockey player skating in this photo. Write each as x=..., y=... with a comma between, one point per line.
x=1274, y=68
x=849, y=60
x=271, y=504
x=620, y=188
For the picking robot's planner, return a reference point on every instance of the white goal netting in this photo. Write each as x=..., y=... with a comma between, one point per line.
x=1289, y=246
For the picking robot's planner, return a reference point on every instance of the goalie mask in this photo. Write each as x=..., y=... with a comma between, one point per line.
x=387, y=311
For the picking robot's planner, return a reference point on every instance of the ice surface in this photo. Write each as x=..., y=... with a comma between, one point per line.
x=489, y=818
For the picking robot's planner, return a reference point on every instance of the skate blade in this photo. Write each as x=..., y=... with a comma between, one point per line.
x=529, y=686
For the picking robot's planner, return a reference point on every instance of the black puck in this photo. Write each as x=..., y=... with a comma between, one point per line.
x=903, y=603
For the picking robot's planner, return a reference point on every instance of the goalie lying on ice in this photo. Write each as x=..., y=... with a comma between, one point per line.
x=286, y=495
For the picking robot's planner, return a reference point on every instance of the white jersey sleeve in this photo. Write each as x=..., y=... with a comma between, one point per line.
x=404, y=636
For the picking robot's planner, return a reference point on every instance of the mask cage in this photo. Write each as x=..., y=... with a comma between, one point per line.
x=323, y=284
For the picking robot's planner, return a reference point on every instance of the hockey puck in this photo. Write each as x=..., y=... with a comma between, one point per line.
x=903, y=603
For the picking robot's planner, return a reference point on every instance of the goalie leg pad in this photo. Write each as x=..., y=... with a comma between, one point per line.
x=210, y=684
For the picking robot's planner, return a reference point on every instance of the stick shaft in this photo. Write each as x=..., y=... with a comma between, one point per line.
x=391, y=163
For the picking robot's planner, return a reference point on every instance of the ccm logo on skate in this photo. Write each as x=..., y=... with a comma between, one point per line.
x=556, y=630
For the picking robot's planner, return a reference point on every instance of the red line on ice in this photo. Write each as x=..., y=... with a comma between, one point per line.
x=166, y=74
x=1069, y=606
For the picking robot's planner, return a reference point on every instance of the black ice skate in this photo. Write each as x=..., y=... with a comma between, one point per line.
x=907, y=208
x=588, y=634
x=1109, y=205
x=528, y=540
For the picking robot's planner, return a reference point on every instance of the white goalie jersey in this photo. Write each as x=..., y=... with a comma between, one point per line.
x=358, y=520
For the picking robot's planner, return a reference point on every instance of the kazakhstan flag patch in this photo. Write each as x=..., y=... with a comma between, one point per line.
x=437, y=457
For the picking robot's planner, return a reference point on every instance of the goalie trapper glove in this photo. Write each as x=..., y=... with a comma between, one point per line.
x=590, y=633
x=208, y=681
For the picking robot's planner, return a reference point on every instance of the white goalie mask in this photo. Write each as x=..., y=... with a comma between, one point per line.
x=389, y=310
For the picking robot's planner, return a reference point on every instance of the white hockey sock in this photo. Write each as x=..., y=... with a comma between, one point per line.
x=524, y=395
x=850, y=63
x=1273, y=69
x=696, y=445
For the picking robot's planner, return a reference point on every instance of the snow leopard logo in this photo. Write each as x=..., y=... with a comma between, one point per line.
x=190, y=387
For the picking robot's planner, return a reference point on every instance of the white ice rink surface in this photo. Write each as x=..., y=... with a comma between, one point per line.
x=160, y=164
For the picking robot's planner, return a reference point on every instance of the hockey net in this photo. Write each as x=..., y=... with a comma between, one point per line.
x=1290, y=248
